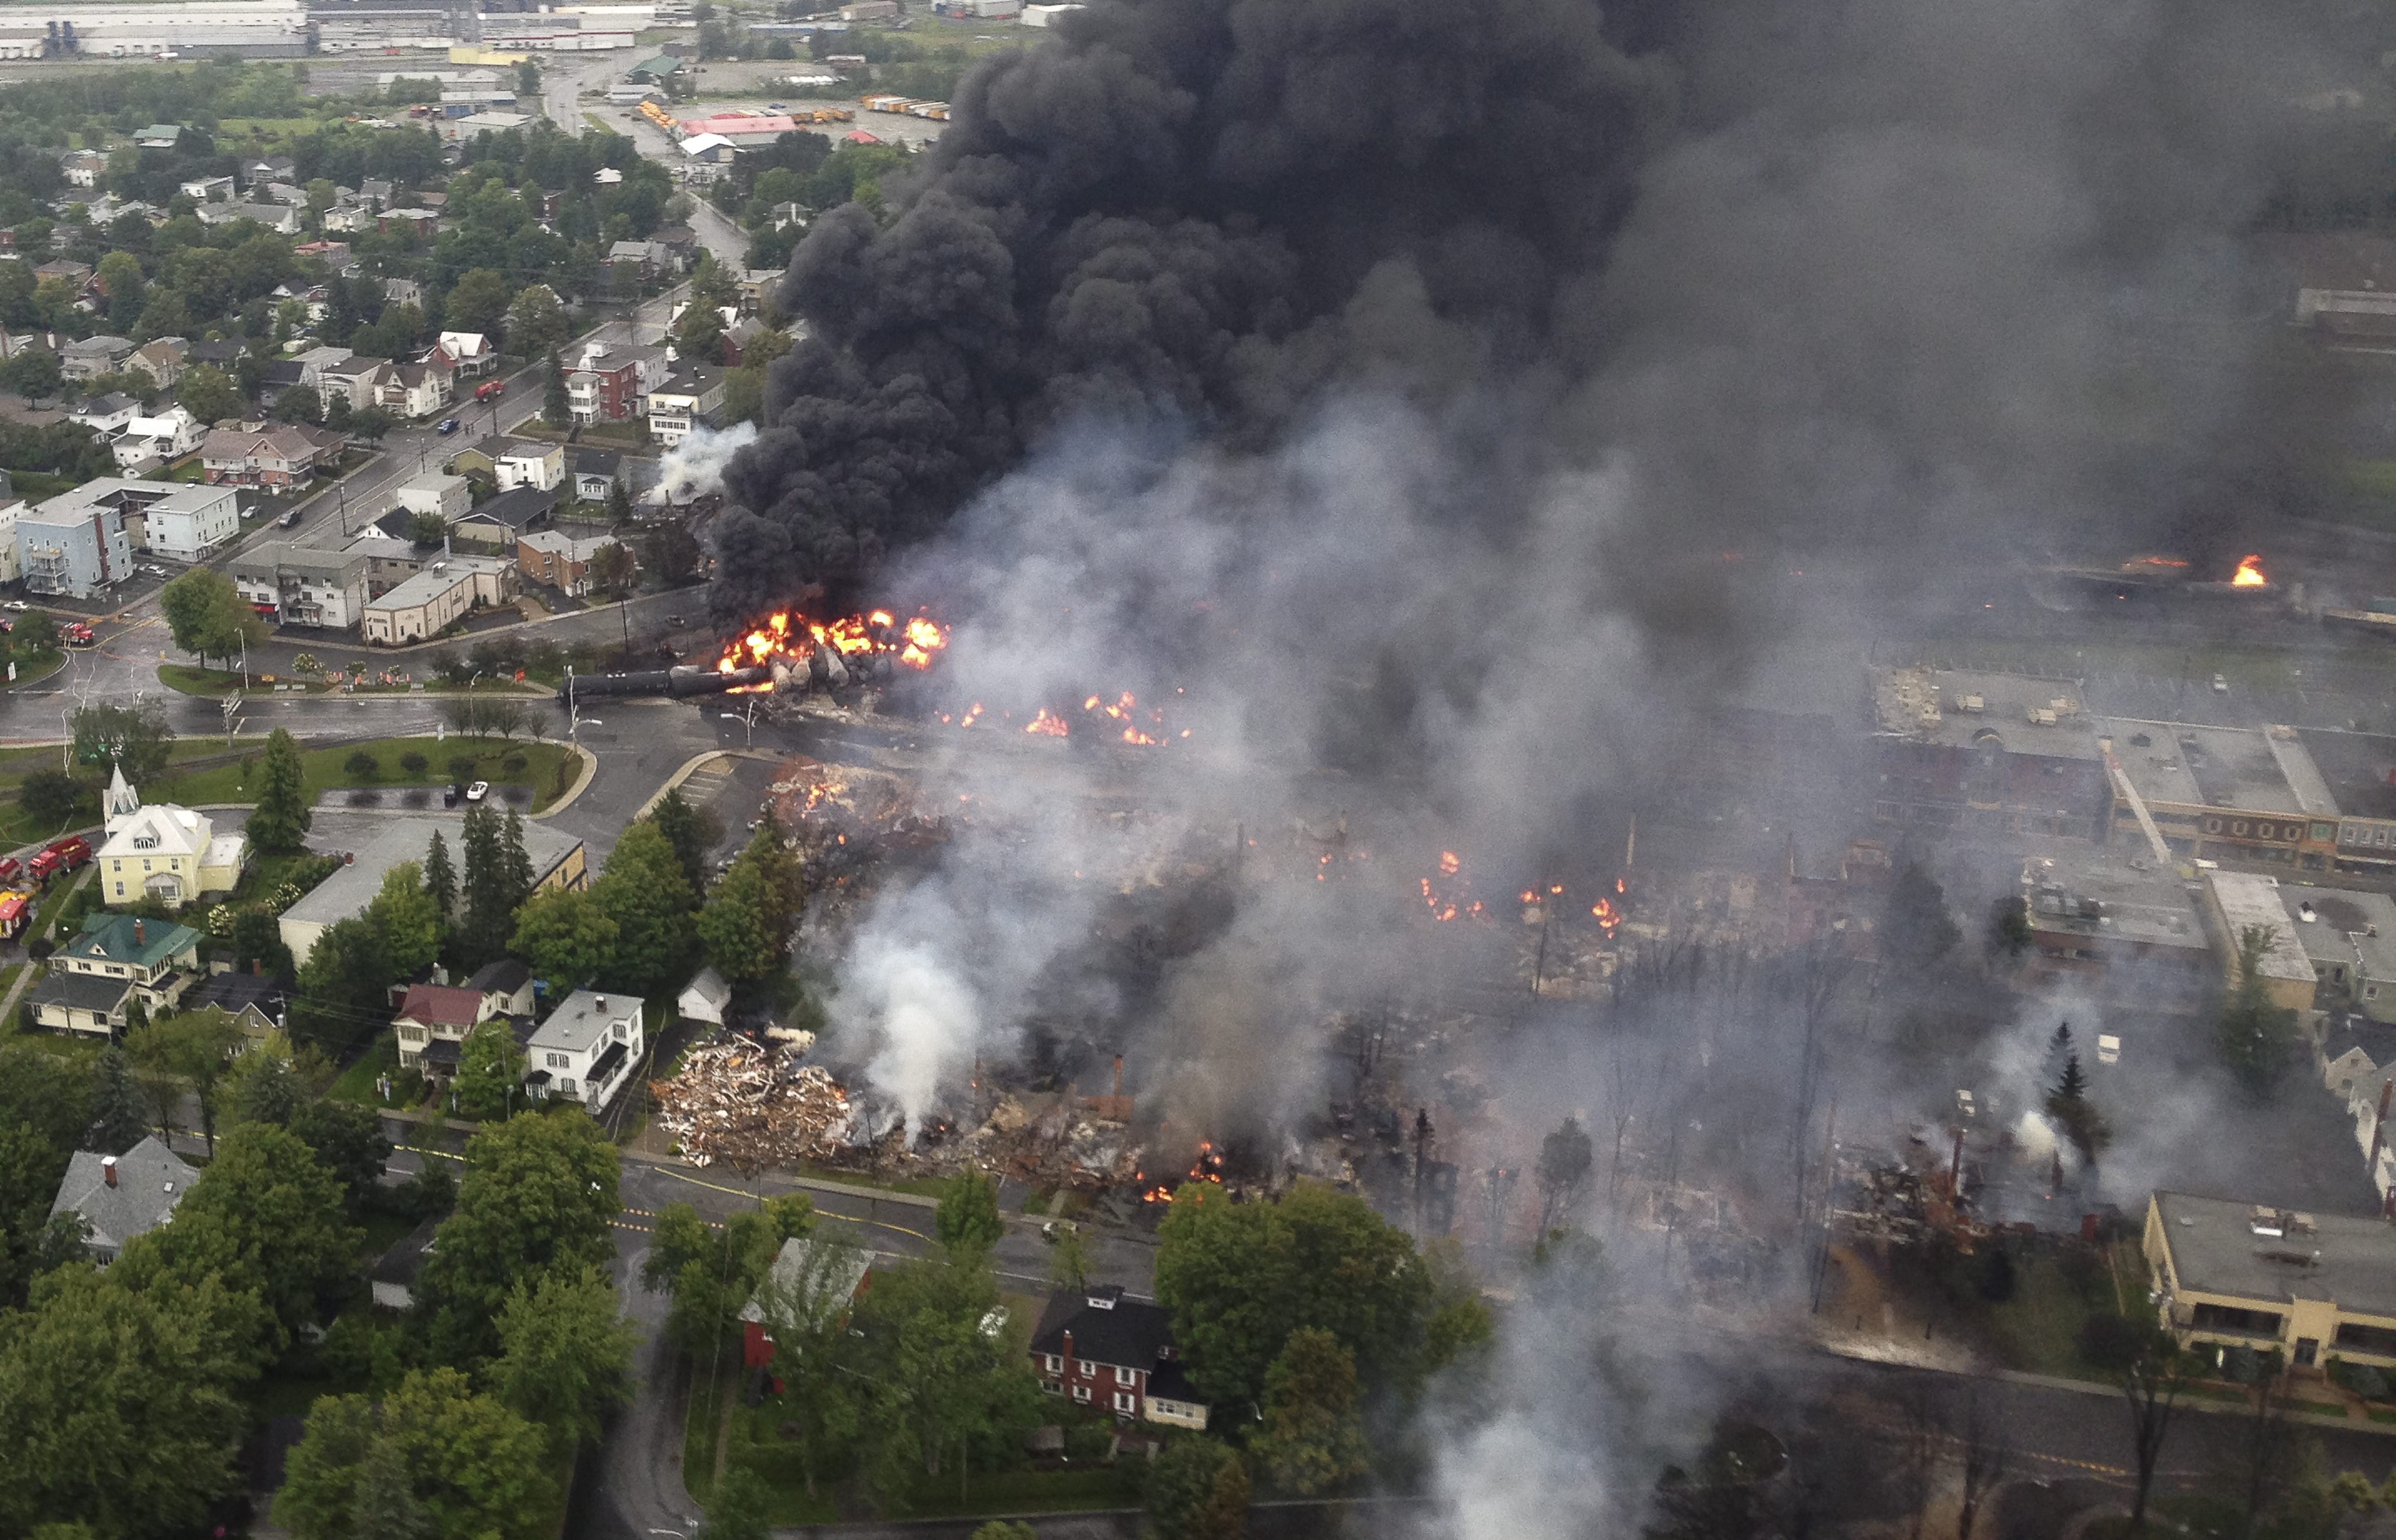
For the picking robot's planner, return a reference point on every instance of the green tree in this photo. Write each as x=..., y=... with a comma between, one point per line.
x=2254, y=1032
x=346, y=1139
x=490, y=1072
x=1565, y=1160
x=300, y=404
x=266, y=1085
x=733, y=924
x=564, y=936
x=119, y=275
x=207, y=616
x=477, y=302
x=2068, y=1103
x=565, y=1354
x=116, y=1121
x=371, y=423
x=267, y=1220
x=613, y=570
x=345, y=986
x=474, y=1467
x=945, y=1384
x=528, y=78
x=493, y=892
x=1197, y=1490
x=535, y=321
x=196, y=1050
x=36, y=633
x=736, y=1511
x=33, y=373
x=1239, y=1277
x=538, y=1195
x=688, y=830
x=806, y=1308
x=384, y=1504
x=1916, y=928
x=135, y=738
x=119, y=1405
x=409, y=918
x=51, y=797
x=1313, y=1440
x=208, y=394
x=1069, y=1260
x=967, y=1219
x=556, y=406
x=427, y=529
x=619, y=500
x=645, y=894
x=440, y=877
x=279, y=824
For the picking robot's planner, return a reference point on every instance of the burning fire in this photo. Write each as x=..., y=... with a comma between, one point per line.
x=1207, y=1167
x=1443, y=906
x=1048, y=724
x=1124, y=709
x=790, y=634
x=2249, y=574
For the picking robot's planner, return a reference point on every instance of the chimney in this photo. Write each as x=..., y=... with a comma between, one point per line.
x=1069, y=1348
x=141, y=933
x=108, y=1169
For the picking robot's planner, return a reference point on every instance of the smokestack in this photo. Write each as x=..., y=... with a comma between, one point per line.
x=108, y=1169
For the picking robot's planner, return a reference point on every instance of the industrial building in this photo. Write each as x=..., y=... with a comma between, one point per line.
x=2242, y=901
x=370, y=26
x=2245, y=1275
x=553, y=32
x=248, y=28
x=556, y=857
x=1988, y=753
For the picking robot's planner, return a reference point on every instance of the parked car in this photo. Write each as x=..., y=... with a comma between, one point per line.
x=289, y=521
x=477, y=791
x=448, y=426
x=451, y=793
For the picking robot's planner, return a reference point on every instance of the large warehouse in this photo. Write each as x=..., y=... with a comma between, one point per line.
x=252, y=29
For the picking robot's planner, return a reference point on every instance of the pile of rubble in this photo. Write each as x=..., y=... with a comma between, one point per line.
x=759, y=1107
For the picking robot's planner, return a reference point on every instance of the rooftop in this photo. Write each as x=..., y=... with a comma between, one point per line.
x=2343, y=926
x=441, y=1006
x=2221, y=1246
x=2018, y=713
x=2246, y=900
x=129, y=940
x=583, y=1018
x=278, y=556
x=347, y=891
x=517, y=509
x=840, y=1277
x=1106, y=1327
x=2100, y=893
x=2256, y=770
x=150, y=1179
x=2359, y=768
x=436, y=579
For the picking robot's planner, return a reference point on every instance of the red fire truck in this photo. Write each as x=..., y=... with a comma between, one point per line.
x=58, y=857
x=491, y=390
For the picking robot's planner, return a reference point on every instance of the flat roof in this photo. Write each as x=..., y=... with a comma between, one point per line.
x=2098, y=894
x=2219, y=1246
x=1960, y=708
x=2347, y=925
x=348, y=891
x=2246, y=899
x=436, y=579
x=2360, y=769
x=2192, y=766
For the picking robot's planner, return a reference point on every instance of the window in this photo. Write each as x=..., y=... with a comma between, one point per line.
x=619, y=1032
x=1053, y=1364
x=2368, y=1339
x=2213, y=825
x=565, y=1086
x=558, y=1061
x=1080, y=1392
x=120, y=887
x=1125, y=1376
x=1125, y=1402
x=2238, y=828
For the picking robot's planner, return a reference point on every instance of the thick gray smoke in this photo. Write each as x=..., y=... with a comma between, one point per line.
x=1375, y=390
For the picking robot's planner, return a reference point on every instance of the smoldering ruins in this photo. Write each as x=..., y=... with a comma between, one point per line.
x=1375, y=467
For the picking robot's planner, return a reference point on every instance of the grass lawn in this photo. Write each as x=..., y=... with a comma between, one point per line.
x=992, y=1493
x=328, y=769
x=357, y=1082
x=56, y=901
x=34, y=485
x=17, y=763
x=66, y=1045
x=2036, y=1330
x=34, y=672
x=208, y=682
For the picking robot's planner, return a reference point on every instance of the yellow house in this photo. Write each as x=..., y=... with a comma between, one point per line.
x=166, y=853
x=2242, y=1275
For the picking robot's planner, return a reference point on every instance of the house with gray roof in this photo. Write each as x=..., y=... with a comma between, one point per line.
x=121, y=1196
x=586, y=1050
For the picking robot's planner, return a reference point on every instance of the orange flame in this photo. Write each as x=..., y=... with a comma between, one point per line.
x=790, y=634
x=1047, y=724
x=2249, y=574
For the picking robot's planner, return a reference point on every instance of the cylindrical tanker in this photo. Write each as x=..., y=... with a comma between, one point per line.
x=678, y=683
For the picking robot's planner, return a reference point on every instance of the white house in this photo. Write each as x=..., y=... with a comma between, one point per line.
x=171, y=435
x=526, y=464
x=12, y=565
x=191, y=521
x=437, y=492
x=704, y=998
x=586, y=1050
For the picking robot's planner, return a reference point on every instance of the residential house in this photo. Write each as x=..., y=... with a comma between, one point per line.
x=525, y=462
x=189, y=521
x=12, y=564
x=738, y=337
x=75, y=275
x=436, y=598
x=171, y=854
x=299, y=585
x=285, y=455
x=586, y=1050
x=82, y=168
x=2241, y=902
x=2349, y=939
x=74, y=544
x=269, y=168
x=706, y=998
x=1102, y=1350
x=403, y=291
x=210, y=190
x=758, y=286
x=348, y=217
x=504, y=519
x=170, y=435
x=2104, y=918
x=158, y=136
x=120, y=1197
x=316, y=361
x=556, y=857
x=681, y=242
x=417, y=390
x=116, y=956
x=257, y=1001
x=354, y=380
x=280, y=218
x=651, y=258
x=437, y=493
x=844, y=1277
x=390, y=560
x=415, y=223
x=595, y=472
x=506, y=987
x=106, y=415
x=611, y=385
x=687, y=399
x=473, y=354
x=559, y=561
x=433, y=1025
x=336, y=254
x=482, y=455
x=285, y=196
x=161, y=358
x=376, y=193
x=93, y=356
x=392, y=1280
x=2234, y=1274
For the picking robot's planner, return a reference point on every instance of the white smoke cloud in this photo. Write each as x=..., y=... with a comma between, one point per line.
x=695, y=465
x=903, y=1000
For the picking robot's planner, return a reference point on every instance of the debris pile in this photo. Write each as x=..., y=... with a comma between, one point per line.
x=754, y=1106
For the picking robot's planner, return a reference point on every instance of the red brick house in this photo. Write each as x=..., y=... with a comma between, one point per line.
x=792, y=1270
x=1102, y=1350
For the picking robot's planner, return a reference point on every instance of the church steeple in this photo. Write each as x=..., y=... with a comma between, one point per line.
x=121, y=803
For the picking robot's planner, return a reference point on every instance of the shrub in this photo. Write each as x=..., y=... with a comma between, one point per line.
x=514, y=764
x=363, y=765
x=413, y=762
x=463, y=768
